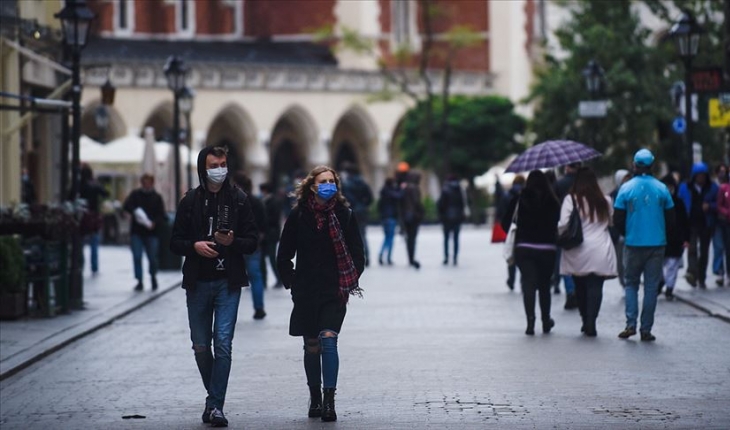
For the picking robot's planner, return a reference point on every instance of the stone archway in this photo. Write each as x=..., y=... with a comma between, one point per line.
x=355, y=140
x=232, y=127
x=294, y=146
x=102, y=123
x=161, y=121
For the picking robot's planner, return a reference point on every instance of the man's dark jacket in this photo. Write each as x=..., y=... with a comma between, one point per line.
x=190, y=227
x=151, y=202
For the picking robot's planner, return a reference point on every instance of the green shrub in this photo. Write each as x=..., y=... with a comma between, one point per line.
x=12, y=275
x=430, y=211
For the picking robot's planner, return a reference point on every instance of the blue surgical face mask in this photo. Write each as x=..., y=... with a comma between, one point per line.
x=217, y=175
x=326, y=191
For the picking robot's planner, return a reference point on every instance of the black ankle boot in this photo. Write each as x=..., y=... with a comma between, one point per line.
x=328, y=408
x=315, y=402
x=547, y=325
x=530, y=326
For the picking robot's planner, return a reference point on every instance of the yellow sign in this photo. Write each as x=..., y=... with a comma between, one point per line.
x=719, y=114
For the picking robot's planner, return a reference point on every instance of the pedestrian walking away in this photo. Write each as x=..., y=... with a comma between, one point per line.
x=594, y=260
x=360, y=196
x=723, y=222
x=450, y=206
x=619, y=178
x=510, y=200
x=254, y=260
x=323, y=235
x=92, y=192
x=273, y=207
x=643, y=213
x=677, y=240
x=214, y=228
x=562, y=188
x=699, y=195
x=411, y=212
x=388, y=203
x=537, y=216
x=147, y=211
x=719, y=249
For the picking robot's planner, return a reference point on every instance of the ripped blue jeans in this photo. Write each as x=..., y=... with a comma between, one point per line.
x=321, y=360
x=212, y=314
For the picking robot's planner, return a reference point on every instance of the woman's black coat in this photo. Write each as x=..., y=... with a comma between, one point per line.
x=315, y=280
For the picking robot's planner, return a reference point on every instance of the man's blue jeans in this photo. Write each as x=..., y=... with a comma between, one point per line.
x=93, y=240
x=256, y=277
x=718, y=252
x=389, y=225
x=151, y=246
x=647, y=260
x=212, y=314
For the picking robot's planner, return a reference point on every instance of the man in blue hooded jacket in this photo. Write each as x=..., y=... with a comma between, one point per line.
x=699, y=195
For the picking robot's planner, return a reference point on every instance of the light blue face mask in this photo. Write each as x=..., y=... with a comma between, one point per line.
x=217, y=175
x=326, y=191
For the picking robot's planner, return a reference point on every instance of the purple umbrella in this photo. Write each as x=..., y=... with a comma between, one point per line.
x=552, y=153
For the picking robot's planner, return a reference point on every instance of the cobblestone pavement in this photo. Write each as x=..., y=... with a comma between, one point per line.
x=439, y=348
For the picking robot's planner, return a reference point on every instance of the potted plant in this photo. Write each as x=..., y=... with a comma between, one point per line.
x=12, y=278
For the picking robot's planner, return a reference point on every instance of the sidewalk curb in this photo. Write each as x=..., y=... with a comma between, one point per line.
x=705, y=309
x=24, y=360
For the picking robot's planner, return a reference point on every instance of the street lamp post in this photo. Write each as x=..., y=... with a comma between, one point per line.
x=75, y=21
x=687, y=33
x=593, y=74
x=187, y=95
x=176, y=73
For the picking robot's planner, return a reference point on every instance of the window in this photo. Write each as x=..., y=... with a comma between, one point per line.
x=185, y=17
x=404, y=32
x=123, y=17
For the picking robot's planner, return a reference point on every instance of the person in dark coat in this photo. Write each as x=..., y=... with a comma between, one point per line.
x=145, y=235
x=273, y=207
x=360, y=196
x=411, y=212
x=562, y=188
x=214, y=228
x=538, y=212
x=450, y=207
x=510, y=199
x=677, y=240
x=323, y=234
x=254, y=261
x=390, y=196
x=92, y=192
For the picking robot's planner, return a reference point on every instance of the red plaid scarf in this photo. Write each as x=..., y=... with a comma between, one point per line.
x=348, y=277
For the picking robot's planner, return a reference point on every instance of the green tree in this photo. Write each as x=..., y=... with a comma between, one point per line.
x=639, y=72
x=481, y=131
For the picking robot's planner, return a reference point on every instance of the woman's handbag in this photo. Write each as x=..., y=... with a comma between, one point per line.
x=573, y=234
x=509, y=243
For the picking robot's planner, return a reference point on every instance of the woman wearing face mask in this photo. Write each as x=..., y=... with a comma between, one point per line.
x=323, y=235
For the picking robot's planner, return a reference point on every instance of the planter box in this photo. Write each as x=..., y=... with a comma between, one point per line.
x=12, y=306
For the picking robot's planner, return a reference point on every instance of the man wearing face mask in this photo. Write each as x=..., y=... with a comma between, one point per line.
x=148, y=213
x=214, y=228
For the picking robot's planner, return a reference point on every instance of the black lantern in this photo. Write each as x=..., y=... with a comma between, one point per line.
x=186, y=100
x=108, y=90
x=687, y=33
x=76, y=21
x=176, y=73
x=593, y=73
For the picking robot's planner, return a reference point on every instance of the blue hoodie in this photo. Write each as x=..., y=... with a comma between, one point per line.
x=708, y=193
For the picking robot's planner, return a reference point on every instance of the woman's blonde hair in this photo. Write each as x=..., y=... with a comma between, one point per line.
x=304, y=189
